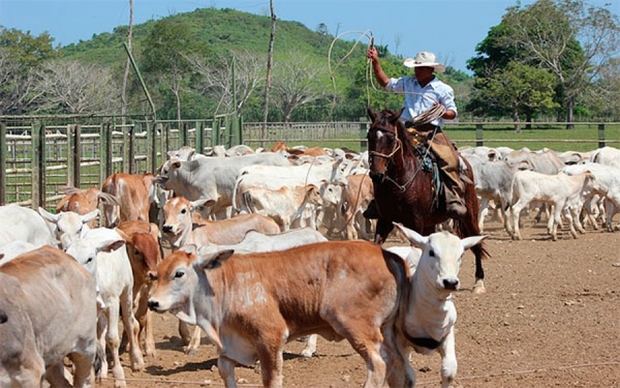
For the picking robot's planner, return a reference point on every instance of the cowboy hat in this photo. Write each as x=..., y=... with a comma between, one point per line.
x=424, y=59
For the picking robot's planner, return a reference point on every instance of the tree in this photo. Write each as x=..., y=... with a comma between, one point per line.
x=216, y=78
x=295, y=84
x=567, y=37
x=164, y=56
x=21, y=56
x=518, y=89
x=73, y=87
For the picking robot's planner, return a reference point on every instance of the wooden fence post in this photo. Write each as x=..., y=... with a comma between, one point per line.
x=199, y=138
x=215, y=132
x=105, y=144
x=74, y=155
x=479, y=135
x=164, y=143
x=38, y=165
x=234, y=135
x=131, y=136
x=183, y=133
x=3, y=151
x=364, y=126
x=240, y=129
x=601, y=135
x=151, y=136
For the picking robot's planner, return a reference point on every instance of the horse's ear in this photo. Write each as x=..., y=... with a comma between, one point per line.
x=395, y=118
x=371, y=113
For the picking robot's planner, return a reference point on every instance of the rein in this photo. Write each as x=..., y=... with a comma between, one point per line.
x=398, y=145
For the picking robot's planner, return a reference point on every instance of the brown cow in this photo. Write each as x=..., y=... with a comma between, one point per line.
x=135, y=194
x=251, y=305
x=144, y=254
x=84, y=201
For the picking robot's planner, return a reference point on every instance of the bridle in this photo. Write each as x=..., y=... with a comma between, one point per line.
x=397, y=145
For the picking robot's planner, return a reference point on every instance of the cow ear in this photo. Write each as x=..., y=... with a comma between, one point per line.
x=110, y=246
x=414, y=237
x=123, y=235
x=175, y=164
x=47, y=216
x=469, y=242
x=88, y=217
x=214, y=259
x=194, y=205
x=371, y=114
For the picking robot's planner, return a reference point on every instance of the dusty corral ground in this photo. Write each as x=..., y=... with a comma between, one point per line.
x=550, y=317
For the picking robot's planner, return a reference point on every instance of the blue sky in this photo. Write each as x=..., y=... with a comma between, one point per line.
x=450, y=28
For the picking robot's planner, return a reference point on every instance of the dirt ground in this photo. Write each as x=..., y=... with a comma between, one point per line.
x=550, y=317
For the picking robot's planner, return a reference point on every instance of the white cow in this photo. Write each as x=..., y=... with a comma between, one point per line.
x=212, y=177
x=13, y=249
x=102, y=251
x=22, y=224
x=431, y=314
x=609, y=156
x=69, y=226
x=289, y=207
x=47, y=312
x=559, y=190
x=606, y=184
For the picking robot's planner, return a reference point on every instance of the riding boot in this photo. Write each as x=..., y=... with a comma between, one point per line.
x=371, y=213
x=455, y=204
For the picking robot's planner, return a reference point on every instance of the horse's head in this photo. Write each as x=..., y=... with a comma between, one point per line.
x=383, y=141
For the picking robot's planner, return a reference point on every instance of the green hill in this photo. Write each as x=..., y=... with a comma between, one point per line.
x=217, y=32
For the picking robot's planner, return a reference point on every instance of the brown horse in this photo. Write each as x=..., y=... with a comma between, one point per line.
x=404, y=190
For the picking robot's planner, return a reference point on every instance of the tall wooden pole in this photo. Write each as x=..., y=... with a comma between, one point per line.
x=127, y=64
x=272, y=37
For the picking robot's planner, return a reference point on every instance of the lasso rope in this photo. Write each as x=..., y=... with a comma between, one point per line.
x=435, y=112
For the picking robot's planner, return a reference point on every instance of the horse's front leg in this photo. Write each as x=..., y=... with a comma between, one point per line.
x=384, y=227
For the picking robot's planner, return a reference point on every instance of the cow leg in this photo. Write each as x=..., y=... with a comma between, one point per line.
x=384, y=227
x=310, y=348
x=143, y=315
x=271, y=362
x=484, y=209
x=610, y=210
x=448, y=360
x=571, y=222
x=557, y=218
x=577, y=221
x=113, y=340
x=132, y=328
x=226, y=368
x=194, y=341
x=516, y=212
x=55, y=375
x=399, y=373
x=102, y=332
x=83, y=364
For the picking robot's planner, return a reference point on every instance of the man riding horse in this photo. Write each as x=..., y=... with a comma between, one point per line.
x=423, y=93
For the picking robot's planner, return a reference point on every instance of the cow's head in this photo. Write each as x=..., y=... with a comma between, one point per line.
x=69, y=226
x=441, y=256
x=167, y=171
x=85, y=251
x=142, y=249
x=177, y=278
x=178, y=214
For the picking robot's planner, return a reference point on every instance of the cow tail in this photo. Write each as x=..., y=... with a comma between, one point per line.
x=99, y=357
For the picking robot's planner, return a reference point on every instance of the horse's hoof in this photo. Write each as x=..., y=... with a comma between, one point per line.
x=479, y=287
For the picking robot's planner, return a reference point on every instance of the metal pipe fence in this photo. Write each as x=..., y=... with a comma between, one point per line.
x=41, y=154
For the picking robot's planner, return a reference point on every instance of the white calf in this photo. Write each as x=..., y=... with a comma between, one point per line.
x=559, y=190
x=103, y=253
x=22, y=224
x=69, y=226
x=431, y=315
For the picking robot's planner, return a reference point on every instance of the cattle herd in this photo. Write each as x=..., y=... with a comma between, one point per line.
x=235, y=245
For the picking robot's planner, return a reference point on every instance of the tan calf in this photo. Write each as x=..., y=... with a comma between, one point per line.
x=84, y=201
x=134, y=193
x=144, y=255
x=251, y=305
x=179, y=229
x=356, y=195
